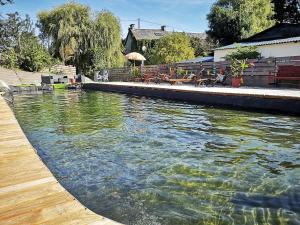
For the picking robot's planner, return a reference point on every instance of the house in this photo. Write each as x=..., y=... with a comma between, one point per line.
x=137, y=38
x=280, y=40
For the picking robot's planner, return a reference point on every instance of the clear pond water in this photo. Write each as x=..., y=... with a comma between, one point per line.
x=149, y=161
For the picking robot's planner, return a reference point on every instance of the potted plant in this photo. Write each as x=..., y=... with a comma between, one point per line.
x=239, y=62
x=136, y=73
x=237, y=69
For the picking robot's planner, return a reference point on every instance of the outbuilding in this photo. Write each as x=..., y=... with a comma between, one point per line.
x=281, y=40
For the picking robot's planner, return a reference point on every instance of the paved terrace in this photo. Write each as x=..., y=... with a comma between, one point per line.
x=29, y=193
x=268, y=92
x=273, y=100
x=18, y=77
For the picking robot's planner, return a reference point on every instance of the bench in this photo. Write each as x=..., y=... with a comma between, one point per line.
x=287, y=73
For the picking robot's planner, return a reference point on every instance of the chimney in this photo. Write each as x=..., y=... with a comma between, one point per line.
x=131, y=27
x=163, y=28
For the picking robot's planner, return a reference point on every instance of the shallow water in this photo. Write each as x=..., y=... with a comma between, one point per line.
x=149, y=161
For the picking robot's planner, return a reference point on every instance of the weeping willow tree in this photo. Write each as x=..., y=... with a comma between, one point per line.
x=107, y=41
x=77, y=39
x=65, y=28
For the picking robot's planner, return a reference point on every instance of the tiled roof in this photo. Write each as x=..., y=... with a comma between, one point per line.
x=200, y=59
x=259, y=43
x=154, y=34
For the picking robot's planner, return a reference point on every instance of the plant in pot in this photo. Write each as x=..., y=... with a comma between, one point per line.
x=239, y=62
x=136, y=73
x=237, y=69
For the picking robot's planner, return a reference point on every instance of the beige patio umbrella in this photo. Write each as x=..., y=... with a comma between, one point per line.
x=135, y=56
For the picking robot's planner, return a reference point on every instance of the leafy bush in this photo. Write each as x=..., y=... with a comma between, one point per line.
x=172, y=48
x=33, y=56
x=180, y=71
x=136, y=72
x=238, y=66
x=9, y=59
x=244, y=53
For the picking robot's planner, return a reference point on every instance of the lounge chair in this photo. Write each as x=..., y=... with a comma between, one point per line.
x=185, y=79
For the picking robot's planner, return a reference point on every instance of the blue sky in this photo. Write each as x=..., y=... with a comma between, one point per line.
x=187, y=15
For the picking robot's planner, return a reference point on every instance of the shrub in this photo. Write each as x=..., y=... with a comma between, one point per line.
x=9, y=59
x=244, y=53
x=33, y=56
x=238, y=67
x=136, y=72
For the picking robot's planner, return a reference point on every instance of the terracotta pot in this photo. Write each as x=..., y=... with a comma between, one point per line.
x=236, y=82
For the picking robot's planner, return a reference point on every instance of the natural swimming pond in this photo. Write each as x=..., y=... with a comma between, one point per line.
x=150, y=161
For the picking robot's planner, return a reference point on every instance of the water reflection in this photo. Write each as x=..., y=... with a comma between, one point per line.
x=145, y=161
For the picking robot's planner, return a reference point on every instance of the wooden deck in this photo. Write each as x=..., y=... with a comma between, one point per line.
x=29, y=193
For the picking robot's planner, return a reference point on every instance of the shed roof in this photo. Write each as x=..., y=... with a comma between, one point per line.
x=200, y=59
x=278, y=31
x=260, y=43
x=154, y=34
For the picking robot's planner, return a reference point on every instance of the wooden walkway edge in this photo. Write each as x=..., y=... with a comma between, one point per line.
x=29, y=193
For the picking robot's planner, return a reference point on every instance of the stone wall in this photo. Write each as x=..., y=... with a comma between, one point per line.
x=70, y=71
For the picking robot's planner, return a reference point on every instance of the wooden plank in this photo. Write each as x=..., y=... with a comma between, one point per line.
x=29, y=193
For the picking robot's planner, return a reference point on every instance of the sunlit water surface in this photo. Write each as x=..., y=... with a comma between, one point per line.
x=148, y=161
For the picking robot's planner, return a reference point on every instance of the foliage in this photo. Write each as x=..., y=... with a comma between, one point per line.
x=239, y=59
x=202, y=47
x=33, y=56
x=287, y=11
x=74, y=37
x=9, y=59
x=107, y=41
x=135, y=71
x=238, y=66
x=12, y=28
x=240, y=53
x=180, y=71
x=149, y=44
x=66, y=29
x=172, y=48
x=20, y=46
x=232, y=20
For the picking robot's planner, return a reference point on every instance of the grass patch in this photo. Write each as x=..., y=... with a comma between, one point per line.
x=25, y=85
x=60, y=86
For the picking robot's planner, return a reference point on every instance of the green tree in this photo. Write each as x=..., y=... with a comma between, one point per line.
x=232, y=20
x=107, y=41
x=287, y=11
x=66, y=28
x=202, y=47
x=172, y=48
x=33, y=56
x=19, y=46
x=12, y=27
x=73, y=36
x=9, y=59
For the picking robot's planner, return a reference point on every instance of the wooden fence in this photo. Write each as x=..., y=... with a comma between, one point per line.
x=256, y=76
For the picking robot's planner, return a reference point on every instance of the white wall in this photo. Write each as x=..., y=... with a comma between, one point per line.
x=278, y=50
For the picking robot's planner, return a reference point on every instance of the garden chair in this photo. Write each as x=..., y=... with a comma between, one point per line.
x=186, y=79
x=202, y=80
